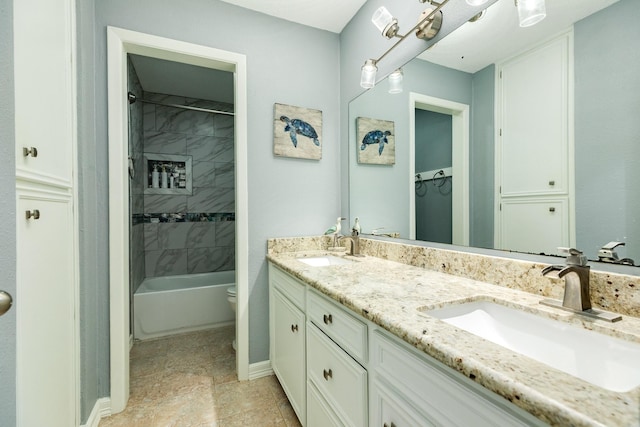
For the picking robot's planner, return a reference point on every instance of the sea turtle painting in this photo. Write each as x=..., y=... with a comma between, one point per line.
x=375, y=137
x=297, y=127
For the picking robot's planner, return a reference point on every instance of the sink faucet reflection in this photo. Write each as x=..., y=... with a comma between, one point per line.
x=575, y=273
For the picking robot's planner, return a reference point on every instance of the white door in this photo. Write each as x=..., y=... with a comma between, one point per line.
x=46, y=299
x=46, y=343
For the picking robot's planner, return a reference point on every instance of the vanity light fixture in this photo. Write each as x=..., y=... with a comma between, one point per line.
x=428, y=26
x=368, y=76
x=395, y=81
x=530, y=12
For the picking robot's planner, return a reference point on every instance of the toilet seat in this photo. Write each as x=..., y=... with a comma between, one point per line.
x=231, y=291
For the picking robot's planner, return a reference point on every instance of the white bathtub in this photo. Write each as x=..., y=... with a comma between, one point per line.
x=175, y=304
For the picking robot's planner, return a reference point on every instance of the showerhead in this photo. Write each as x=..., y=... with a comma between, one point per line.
x=131, y=97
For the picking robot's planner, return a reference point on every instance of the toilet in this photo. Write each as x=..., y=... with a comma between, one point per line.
x=231, y=297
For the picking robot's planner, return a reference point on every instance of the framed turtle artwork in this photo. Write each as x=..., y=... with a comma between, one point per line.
x=375, y=142
x=297, y=132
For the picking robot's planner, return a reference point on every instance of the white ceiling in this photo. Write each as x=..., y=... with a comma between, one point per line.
x=497, y=35
x=330, y=15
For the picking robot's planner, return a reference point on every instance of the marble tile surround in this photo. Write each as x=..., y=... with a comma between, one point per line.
x=612, y=292
x=185, y=248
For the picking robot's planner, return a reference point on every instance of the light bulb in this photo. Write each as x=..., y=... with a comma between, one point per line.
x=395, y=81
x=385, y=22
x=530, y=12
x=368, y=76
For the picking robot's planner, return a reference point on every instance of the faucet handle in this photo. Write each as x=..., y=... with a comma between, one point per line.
x=574, y=256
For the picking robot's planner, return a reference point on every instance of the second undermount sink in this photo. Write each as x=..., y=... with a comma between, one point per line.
x=608, y=362
x=325, y=260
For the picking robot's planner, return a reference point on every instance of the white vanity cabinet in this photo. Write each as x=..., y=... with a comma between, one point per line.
x=416, y=390
x=358, y=374
x=287, y=337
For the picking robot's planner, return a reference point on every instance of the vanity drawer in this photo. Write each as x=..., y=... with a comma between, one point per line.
x=291, y=287
x=347, y=331
x=339, y=379
x=446, y=397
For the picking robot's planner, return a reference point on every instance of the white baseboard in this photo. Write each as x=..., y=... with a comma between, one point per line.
x=260, y=369
x=101, y=409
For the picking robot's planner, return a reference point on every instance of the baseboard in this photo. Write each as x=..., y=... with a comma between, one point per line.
x=101, y=409
x=260, y=369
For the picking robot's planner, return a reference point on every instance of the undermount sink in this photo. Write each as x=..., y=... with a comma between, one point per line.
x=325, y=260
x=608, y=362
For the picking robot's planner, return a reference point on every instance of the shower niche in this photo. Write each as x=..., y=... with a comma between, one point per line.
x=167, y=174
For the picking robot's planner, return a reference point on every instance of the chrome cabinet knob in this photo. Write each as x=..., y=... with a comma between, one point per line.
x=5, y=302
x=327, y=318
x=32, y=151
x=294, y=328
x=35, y=214
x=327, y=374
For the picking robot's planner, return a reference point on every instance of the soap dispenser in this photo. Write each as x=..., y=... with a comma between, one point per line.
x=155, y=176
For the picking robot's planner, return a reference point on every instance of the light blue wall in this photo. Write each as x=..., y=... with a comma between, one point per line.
x=287, y=63
x=481, y=159
x=607, y=139
x=8, y=213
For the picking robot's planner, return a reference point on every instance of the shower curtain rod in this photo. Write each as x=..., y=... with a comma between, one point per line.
x=133, y=98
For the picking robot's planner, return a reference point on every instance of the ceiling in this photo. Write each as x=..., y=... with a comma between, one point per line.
x=497, y=35
x=330, y=15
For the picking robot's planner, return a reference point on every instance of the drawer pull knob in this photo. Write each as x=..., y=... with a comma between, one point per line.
x=33, y=151
x=294, y=328
x=552, y=209
x=327, y=319
x=327, y=374
x=552, y=183
x=35, y=214
x=389, y=425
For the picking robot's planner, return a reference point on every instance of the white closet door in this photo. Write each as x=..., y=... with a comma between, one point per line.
x=535, y=122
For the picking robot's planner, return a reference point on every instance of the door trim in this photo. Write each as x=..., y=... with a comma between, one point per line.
x=460, y=162
x=120, y=42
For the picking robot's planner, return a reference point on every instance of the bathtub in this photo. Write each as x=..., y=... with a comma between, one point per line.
x=175, y=304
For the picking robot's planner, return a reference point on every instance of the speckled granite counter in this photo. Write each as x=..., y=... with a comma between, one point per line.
x=389, y=294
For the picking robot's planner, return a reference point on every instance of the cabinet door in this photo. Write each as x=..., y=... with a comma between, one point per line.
x=535, y=225
x=45, y=306
x=319, y=414
x=389, y=409
x=44, y=66
x=288, y=350
x=535, y=132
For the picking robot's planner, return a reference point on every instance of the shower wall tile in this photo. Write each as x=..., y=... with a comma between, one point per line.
x=210, y=148
x=137, y=254
x=173, y=235
x=211, y=105
x=165, y=203
x=168, y=262
x=151, y=237
x=211, y=200
x=164, y=98
x=202, y=260
x=148, y=117
x=202, y=234
x=225, y=233
x=204, y=174
x=225, y=175
x=178, y=120
x=164, y=142
x=224, y=125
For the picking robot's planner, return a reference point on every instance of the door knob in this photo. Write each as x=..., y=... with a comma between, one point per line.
x=33, y=151
x=35, y=214
x=5, y=302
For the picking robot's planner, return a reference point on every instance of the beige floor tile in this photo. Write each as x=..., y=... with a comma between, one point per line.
x=190, y=380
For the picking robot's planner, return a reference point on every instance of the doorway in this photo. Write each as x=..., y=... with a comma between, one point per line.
x=121, y=43
x=457, y=175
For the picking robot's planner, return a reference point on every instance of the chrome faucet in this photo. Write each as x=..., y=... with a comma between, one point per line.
x=354, y=246
x=575, y=273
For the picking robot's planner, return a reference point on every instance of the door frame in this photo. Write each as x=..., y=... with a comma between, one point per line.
x=460, y=162
x=121, y=42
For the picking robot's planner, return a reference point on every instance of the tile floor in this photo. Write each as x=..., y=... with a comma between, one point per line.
x=190, y=380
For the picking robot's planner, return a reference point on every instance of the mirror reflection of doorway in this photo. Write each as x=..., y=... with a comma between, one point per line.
x=433, y=147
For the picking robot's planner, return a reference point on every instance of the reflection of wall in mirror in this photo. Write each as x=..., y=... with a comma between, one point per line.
x=605, y=132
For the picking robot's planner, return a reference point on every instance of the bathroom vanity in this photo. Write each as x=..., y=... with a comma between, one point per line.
x=352, y=341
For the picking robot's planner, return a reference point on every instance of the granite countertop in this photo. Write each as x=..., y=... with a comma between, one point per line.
x=390, y=293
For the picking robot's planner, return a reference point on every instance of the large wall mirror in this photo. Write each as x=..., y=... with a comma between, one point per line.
x=449, y=102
